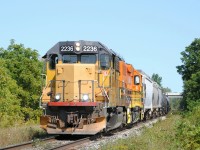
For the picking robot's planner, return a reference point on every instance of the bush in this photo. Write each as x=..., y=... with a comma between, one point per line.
x=188, y=129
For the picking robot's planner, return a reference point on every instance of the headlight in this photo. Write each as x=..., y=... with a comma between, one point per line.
x=78, y=48
x=77, y=44
x=57, y=97
x=85, y=97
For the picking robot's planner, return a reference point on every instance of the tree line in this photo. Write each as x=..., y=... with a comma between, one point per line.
x=20, y=84
x=188, y=130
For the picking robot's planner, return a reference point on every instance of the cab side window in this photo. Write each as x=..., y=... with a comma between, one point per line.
x=136, y=80
x=104, y=61
x=116, y=63
x=53, y=61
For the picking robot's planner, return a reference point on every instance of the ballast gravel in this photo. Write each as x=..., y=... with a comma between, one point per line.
x=135, y=131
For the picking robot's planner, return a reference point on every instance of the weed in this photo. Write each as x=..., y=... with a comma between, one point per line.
x=19, y=134
x=160, y=137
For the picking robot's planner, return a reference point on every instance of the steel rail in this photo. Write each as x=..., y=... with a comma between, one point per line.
x=29, y=144
x=77, y=143
x=72, y=144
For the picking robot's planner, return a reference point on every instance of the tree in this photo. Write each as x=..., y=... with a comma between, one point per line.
x=190, y=71
x=191, y=60
x=157, y=79
x=25, y=69
x=166, y=90
x=10, y=111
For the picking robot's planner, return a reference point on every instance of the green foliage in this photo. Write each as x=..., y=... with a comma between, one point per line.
x=165, y=90
x=192, y=89
x=157, y=79
x=20, y=84
x=190, y=71
x=26, y=69
x=9, y=103
x=175, y=104
x=188, y=130
x=191, y=60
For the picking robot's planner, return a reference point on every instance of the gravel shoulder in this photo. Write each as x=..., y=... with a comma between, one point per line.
x=134, y=131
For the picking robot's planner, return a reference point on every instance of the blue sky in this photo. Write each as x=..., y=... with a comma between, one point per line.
x=148, y=34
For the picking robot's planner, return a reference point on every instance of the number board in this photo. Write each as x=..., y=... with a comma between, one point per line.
x=89, y=48
x=84, y=49
x=67, y=48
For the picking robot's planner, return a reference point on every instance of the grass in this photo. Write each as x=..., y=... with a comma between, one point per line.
x=20, y=134
x=160, y=137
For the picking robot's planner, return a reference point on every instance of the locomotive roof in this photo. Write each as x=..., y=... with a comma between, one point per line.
x=56, y=47
x=143, y=73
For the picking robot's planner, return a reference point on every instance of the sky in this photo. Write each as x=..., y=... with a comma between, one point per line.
x=150, y=35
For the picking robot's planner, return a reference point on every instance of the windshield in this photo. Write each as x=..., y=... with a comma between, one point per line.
x=84, y=59
x=69, y=58
x=88, y=59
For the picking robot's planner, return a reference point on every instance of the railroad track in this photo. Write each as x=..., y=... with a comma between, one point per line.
x=71, y=145
x=29, y=145
x=76, y=142
x=26, y=145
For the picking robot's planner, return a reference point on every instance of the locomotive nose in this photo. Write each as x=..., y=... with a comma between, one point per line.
x=79, y=82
